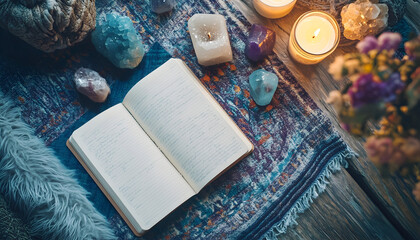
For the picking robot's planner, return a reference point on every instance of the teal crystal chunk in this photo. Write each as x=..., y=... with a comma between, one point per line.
x=116, y=38
x=263, y=84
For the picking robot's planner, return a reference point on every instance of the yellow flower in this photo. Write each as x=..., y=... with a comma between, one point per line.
x=400, y=129
x=336, y=68
x=372, y=53
x=352, y=66
x=367, y=68
x=336, y=100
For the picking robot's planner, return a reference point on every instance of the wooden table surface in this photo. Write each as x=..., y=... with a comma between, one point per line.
x=358, y=203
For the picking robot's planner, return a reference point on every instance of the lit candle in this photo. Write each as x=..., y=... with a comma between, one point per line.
x=210, y=39
x=274, y=8
x=314, y=36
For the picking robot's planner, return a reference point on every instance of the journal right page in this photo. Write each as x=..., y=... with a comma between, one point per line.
x=186, y=123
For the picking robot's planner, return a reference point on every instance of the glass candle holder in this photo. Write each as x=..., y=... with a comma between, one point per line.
x=314, y=36
x=273, y=8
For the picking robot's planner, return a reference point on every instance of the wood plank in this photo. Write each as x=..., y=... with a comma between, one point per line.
x=392, y=196
x=343, y=211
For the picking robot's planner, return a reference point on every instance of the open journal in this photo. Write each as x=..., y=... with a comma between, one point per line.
x=160, y=146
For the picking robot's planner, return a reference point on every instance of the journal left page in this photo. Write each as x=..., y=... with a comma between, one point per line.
x=132, y=170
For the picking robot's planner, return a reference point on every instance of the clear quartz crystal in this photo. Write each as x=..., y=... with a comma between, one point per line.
x=91, y=84
x=363, y=18
x=373, y=12
x=210, y=39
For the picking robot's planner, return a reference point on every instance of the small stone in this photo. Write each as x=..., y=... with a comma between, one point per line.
x=263, y=84
x=91, y=84
x=363, y=18
x=161, y=6
x=260, y=42
x=116, y=38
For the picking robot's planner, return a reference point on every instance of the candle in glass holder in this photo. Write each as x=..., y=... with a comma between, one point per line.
x=314, y=36
x=210, y=39
x=274, y=8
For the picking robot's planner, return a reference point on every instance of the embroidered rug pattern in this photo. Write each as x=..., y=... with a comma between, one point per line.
x=296, y=148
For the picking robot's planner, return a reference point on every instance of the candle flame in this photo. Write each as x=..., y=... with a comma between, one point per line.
x=316, y=33
x=209, y=35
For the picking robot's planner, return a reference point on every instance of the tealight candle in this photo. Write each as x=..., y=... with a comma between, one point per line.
x=314, y=36
x=210, y=39
x=274, y=8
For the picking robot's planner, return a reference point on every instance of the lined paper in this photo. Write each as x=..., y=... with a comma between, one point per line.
x=137, y=172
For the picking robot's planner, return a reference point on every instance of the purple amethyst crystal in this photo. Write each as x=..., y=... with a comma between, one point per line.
x=91, y=84
x=260, y=42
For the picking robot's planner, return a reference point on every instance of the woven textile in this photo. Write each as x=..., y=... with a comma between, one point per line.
x=296, y=148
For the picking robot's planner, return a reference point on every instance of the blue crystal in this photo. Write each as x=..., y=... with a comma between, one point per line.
x=161, y=6
x=116, y=39
x=263, y=84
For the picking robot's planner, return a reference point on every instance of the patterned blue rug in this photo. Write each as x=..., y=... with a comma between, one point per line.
x=296, y=148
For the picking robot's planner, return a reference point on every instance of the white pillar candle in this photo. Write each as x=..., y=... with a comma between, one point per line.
x=314, y=36
x=274, y=8
x=210, y=39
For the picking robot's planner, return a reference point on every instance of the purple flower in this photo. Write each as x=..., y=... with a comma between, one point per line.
x=345, y=126
x=392, y=86
x=389, y=41
x=367, y=44
x=411, y=148
x=382, y=151
x=364, y=90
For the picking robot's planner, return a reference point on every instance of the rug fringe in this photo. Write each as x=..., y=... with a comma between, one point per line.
x=307, y=198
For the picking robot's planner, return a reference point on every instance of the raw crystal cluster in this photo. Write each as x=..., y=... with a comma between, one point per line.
x=263, y=84
x=116, y=39
x=260, y=42
x=91, y=84
x=363, y=18
x=161, y=6
x=48, y=24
